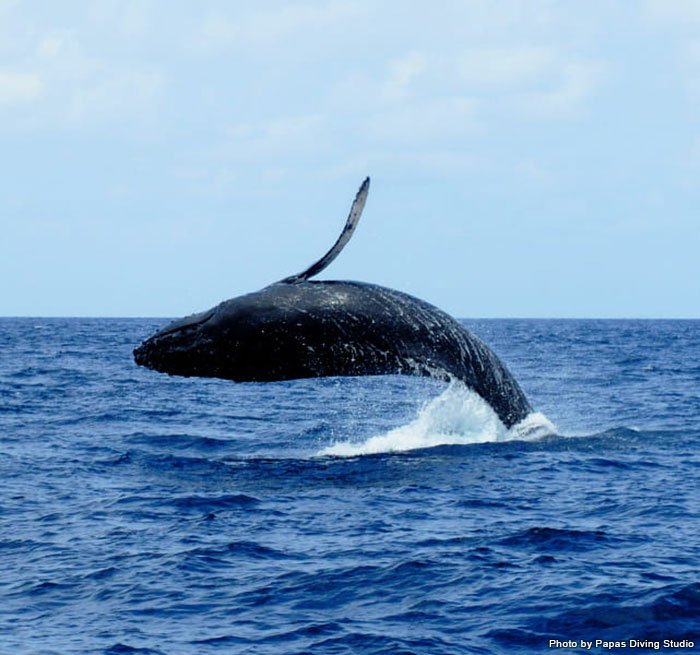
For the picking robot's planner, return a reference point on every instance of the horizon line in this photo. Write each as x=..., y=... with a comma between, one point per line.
x=463, y=318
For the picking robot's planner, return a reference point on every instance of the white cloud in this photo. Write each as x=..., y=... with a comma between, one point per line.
x=65, y=79
x=136, y=19
x=114, y=94
x=420, y=99
x=577, y=81
x=129, y=18
x=443, y=161
x=680, y=19
x=690, y=64
x=276, y=137
x=52, y=45
x=692, y=53
x=6, y=5
x=424, y=121
x=533, y=173
x=693, y=157
x=270, y=28
x=503, y=66
x=19, y=88
x=405, y=103
x=537, y=82
x=402, y=72
x=681, y=11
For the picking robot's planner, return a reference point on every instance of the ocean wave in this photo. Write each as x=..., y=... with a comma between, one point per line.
x=557, y=539
x=247, y=549
x=670, y=611
x=120, y=648
x=193, y=502
x=179, y=441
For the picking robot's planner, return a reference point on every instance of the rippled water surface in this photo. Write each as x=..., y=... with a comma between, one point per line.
x=141, y=513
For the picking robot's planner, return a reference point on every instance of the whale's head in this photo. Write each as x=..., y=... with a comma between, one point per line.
x=280, y=332
x=234, y=340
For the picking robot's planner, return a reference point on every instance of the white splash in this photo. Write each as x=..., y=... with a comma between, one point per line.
x=457, y=416
x=533, y=427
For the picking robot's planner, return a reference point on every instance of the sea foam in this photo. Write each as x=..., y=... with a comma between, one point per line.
x=458, y=416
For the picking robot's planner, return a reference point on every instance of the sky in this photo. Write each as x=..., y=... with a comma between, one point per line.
x=529, y=158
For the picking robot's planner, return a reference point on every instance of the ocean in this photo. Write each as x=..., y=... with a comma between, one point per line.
x=147, y=514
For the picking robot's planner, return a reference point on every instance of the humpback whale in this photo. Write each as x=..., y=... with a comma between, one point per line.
x=301, y=328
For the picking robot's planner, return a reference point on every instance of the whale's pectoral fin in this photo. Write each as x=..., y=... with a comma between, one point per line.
x=350, y=225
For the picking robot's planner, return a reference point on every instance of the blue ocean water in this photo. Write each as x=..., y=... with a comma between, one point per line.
x=141, y=513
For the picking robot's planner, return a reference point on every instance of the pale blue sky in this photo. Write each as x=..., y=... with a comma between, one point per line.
x=528, y=157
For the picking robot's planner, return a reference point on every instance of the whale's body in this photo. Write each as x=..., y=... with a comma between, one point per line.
x=298, y=328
